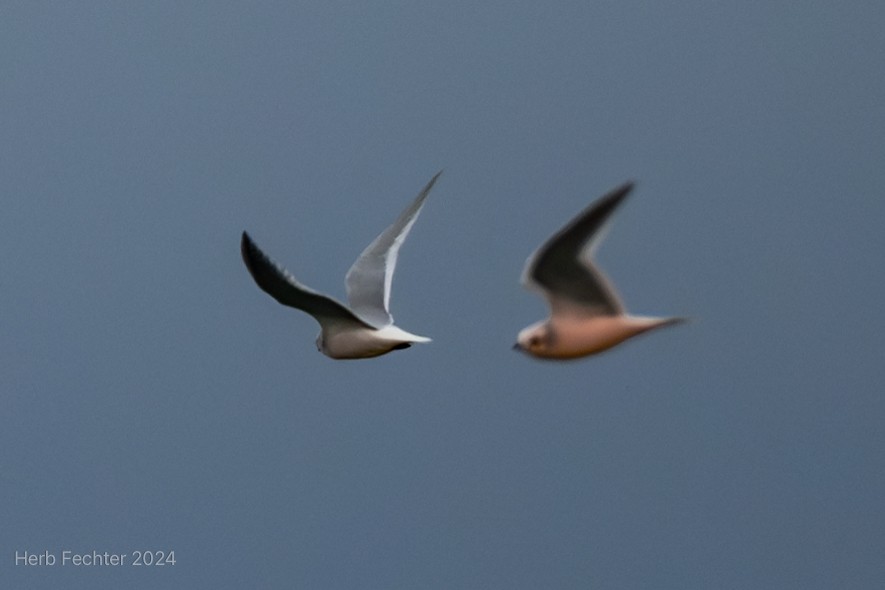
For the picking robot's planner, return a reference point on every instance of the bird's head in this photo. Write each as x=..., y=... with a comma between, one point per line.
x=534, y=340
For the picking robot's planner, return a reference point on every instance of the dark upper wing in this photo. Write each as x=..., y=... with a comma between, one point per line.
x=277, y=282
x=562, y=266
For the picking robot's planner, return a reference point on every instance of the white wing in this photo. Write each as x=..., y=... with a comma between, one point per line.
x=369, y=279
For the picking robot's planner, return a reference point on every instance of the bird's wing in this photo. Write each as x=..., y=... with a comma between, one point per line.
x=277, y=282
x=369, y=279
x=562, y=267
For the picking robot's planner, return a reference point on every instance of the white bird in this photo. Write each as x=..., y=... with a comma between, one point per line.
x=365, y=329
x=586, y=315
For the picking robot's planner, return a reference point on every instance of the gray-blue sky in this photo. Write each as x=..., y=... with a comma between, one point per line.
x=154, y=398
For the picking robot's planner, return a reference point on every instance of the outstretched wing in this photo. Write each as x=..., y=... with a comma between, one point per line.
x=277, y=282
x=562, y=267
x=369, y=279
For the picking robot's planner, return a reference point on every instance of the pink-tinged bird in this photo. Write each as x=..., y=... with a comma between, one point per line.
x=586, y=315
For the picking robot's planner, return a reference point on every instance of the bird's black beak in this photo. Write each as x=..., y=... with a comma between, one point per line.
x=517, y=346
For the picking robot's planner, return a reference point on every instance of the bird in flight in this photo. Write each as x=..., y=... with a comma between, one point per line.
x=365, y=328
x=586, y=315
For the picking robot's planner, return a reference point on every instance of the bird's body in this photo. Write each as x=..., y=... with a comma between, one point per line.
x=586, y=315
x=572, y=338
x=365, y=328
x=355, y=342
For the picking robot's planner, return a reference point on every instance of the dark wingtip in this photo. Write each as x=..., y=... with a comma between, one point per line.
x=433, y=180
x=610, y=201
x=248, y=251
x=620, y=192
